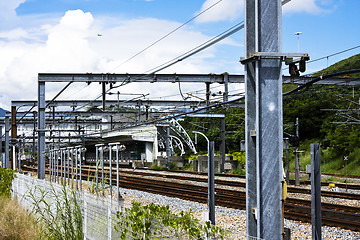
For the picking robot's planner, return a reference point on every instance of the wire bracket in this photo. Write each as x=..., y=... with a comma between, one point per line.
x=296, y=61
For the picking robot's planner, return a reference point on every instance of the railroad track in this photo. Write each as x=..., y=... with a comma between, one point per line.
x=295, y=209
x=292, y=182
x=233, y=183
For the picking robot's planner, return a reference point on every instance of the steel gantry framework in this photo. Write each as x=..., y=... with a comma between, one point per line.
x=74, y=114
x=121, y=79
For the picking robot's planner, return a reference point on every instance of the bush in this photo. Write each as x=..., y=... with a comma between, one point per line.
x=240, y=157
x=155, y=167
x=154, y=221
x=6, y=177
x=238, y=171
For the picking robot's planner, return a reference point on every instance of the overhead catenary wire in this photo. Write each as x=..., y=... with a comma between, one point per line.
x=198, y=49
x=224, y=103
x=168, y=34
x=331, y=55
x=334, y=54
x=193, y=51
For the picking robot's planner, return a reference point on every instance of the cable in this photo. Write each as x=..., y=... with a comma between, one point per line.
x=184, y=56
x=198, y=49
x=191, y=52
x=331, y=55
x=166, y=35
x=319, y=79
x=334, y=54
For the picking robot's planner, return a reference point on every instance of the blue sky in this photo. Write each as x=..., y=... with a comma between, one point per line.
x=62, y=36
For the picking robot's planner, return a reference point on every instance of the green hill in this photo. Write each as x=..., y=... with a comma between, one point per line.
x=346, y=64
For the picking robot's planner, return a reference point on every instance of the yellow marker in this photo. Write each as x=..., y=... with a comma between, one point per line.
x=284, y=193
x=331, y=185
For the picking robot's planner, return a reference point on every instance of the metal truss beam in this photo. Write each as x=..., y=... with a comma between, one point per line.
x=82, y=114
x=121, y=103
x=190, y=78
x=113, y=78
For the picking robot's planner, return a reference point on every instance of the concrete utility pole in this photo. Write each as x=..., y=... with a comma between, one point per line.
x=263, y=107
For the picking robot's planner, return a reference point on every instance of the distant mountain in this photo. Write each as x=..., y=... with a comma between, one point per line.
x=344, y=65
x=2, y=112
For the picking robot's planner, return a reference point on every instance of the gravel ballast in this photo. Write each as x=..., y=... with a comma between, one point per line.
x=231, y=219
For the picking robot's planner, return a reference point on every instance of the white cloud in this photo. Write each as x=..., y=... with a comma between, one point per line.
x=225, y=10
x=8, y=13
x=234, y=9
x=66, y=49
x=73, y=45
x=308, y=6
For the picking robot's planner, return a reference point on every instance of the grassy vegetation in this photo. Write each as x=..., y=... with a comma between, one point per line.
x=346, y=64
x=17, y=223
x=331, y=162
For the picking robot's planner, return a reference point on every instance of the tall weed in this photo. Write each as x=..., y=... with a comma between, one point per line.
x=59, y=212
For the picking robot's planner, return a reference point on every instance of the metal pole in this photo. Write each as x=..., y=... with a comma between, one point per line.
x=13, y=136
x=1, y=144
x=82, y=153
x=102, y=169
x=222, y=145
x=263, y=106
x=315, y=191
x=61, y=165
x=33, y=145
x=226, y=87
x=139, y=111
x=41, y=130
x=67, y=168
x=346, y=160
x=168, y=152
x=117, y=176
x=76, y=166
x=72, y=166
x=211, y=183
x=207, y=93
x=103, y=95
x=97, y=166
x=211, y=178
x=287, y=161
x=110, y=165
x=13, y=157
x=297, y=166
x=19, y=156
x=7, y=128
x=50, y=162
x=57, y=166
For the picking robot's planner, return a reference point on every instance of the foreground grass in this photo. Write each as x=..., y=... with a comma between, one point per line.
x=16, y=222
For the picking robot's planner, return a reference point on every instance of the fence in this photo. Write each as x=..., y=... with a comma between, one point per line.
x=99, y=212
